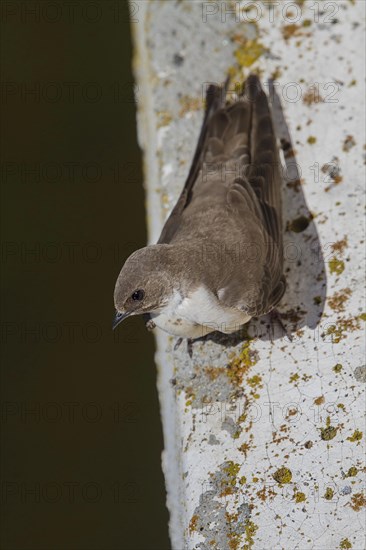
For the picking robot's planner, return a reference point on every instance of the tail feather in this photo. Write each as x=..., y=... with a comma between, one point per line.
x=244, y=131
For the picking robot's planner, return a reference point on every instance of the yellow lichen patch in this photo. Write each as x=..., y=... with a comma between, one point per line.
x=329, y=493
x=336, y=266
x=282, y=475
x=248, y=52
x=231, y=471
x=294, y=377
x=311, y=140
x=255, y=381
x=299, y=497
x=188, y=104
x=344, y=544
x=356, y=436
x=338, y=300
x=358, y=501
x=312, y=96
x=288, y=31
x=250, y=531
x=276, y=74
x=241, y=364
x=193, y=523
x=337, y=368
x=328, y=433
x=352, y=472
x=164, y=118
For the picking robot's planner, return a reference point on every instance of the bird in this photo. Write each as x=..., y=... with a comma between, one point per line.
x=219, y=259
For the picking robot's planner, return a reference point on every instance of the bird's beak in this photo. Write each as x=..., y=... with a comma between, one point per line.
x=118, y=318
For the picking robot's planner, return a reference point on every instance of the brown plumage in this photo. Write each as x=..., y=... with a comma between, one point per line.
x=224, y=235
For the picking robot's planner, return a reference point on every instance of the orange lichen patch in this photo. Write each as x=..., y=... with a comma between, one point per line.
x=214, y=372
x=233, y=536
x=267, y=492
x=164, y=118
x=227, y=491
x=291, y=30
x=245, y=447
x=339, y=331
x=339, y=246
x=348, y=143
x=338, y=300
x=189, y=104
x=193, y=523
x=319, y=400
x=358, y=501
x=277, y=437
x=333, y=171
x=312, y=96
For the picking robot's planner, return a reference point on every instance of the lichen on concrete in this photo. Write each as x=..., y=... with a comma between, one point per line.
x=240, y=410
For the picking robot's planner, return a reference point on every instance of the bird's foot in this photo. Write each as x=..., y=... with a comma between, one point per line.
x=150, y=325
x=275, y=315
x=189, y=346
x=178, y=343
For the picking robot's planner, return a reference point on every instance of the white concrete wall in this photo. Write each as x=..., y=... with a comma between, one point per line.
x=265, y=439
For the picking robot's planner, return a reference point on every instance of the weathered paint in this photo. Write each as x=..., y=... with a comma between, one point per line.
x=264, y=438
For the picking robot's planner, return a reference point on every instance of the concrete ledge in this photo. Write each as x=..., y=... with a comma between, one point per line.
x=265, y=438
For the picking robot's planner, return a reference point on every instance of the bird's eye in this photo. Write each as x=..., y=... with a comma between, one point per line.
x=138, y=295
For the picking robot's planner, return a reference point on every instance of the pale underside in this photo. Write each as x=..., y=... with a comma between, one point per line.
x=197, y=315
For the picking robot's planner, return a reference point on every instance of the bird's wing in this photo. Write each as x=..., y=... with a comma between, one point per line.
x=259, y=191
x=215, y=97
x=236, y=164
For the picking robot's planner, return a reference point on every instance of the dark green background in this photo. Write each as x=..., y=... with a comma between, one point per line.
x=72, y=209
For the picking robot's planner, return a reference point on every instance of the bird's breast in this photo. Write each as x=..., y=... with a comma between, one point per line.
x=198, y=314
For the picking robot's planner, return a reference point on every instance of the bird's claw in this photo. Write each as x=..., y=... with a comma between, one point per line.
x=150, y=325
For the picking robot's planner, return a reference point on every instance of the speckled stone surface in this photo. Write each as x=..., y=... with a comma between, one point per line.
x=265, y=437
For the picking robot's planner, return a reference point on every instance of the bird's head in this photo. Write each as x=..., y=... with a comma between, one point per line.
x=145, y=283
